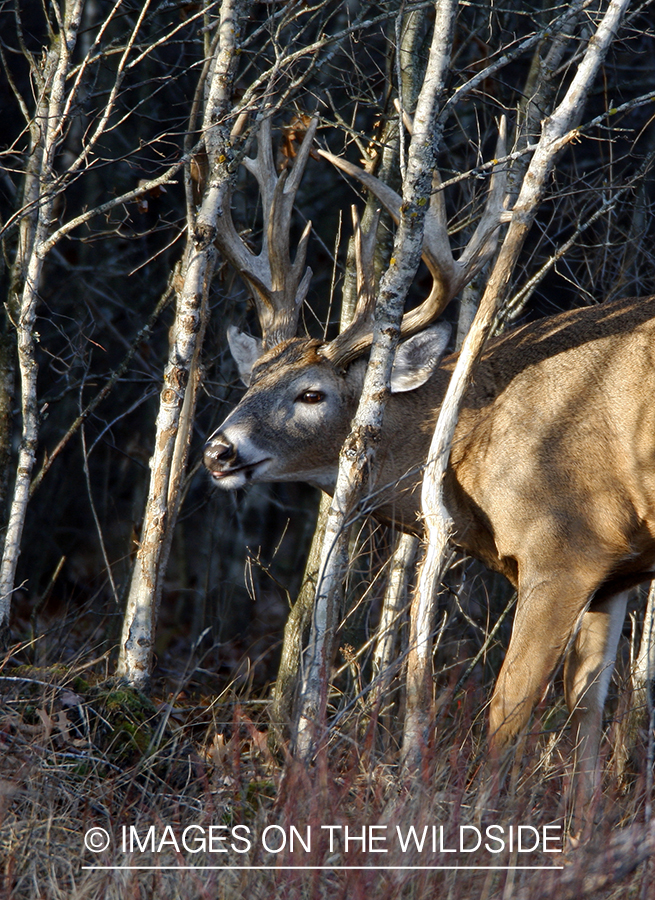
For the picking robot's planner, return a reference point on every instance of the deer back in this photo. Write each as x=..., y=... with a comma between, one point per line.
x=554, y=453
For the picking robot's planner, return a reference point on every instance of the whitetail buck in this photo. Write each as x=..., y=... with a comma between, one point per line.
x=552, y=472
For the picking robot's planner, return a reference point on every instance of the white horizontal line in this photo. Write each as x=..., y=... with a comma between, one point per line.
x=315, y=868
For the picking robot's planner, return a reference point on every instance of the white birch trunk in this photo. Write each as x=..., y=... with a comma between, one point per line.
x=177, y=397
x=557, y=130
x=358, y=451
x=167, y=465
x=643, y=669
x=48, y=128
x=395, y=600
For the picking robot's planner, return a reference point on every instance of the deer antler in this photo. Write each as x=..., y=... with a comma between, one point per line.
x=365, y=242
x=277, y=285
x=449, y=275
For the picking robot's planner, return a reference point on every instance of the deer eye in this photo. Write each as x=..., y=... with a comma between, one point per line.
x=310, y=397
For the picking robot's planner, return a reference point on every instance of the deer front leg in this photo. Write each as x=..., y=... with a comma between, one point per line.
x=587, y=674
x=548, y=620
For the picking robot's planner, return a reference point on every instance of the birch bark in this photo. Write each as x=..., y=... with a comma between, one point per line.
x=286, y=685
x=643, y=672
x=357, y=455
x=46, y=134
x=557, y=130
x=178, y=393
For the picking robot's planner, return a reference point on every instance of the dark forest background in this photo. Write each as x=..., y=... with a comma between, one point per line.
x=237, y=560
x=125, y=175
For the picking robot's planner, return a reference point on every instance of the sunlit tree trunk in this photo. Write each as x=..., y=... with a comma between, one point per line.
x=46, y=134
x=178, y=393
x=557, y=130
x=358, y=451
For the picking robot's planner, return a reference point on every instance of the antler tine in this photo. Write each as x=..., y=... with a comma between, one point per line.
x=279, y=223
x=277, y=285
x=358, y=334
x=385, y=194
x=449, y=275
x=436, y=252
x=365, y=243
x=485, y=237
x=262, y=166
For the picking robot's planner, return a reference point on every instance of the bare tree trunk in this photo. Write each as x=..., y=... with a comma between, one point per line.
x=395, y=602
x=46, y=133
x=643, y=669
x=410, y=45
x=297, y=626
x=46, y=179
x=358, y=451
x=558, y=129
x=178, y=394
x=7, y=388
x=413, y=34
x=168, y=464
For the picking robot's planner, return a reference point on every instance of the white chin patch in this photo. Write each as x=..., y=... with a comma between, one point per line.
x=230, y=482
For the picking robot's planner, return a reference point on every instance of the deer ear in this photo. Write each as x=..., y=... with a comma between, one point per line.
x=245, y=351
x=418, y=357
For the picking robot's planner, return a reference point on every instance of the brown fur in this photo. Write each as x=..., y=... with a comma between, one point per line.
x=551, y=482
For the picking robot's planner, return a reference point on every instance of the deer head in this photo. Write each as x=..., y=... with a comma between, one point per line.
x=302, y=393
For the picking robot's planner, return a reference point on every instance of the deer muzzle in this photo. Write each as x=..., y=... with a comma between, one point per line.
x=228, y=467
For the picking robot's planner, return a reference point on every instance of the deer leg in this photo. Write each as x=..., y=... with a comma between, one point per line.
x=587, y=673
x=542, y=629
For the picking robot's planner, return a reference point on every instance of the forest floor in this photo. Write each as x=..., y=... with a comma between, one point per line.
x=191, y=793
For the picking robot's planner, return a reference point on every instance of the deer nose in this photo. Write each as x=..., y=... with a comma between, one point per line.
x=218, y=451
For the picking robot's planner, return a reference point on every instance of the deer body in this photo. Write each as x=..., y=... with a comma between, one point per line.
x=551, y=480
x=554, y=451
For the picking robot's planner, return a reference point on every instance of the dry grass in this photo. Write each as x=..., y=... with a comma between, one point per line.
x=77, y=756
